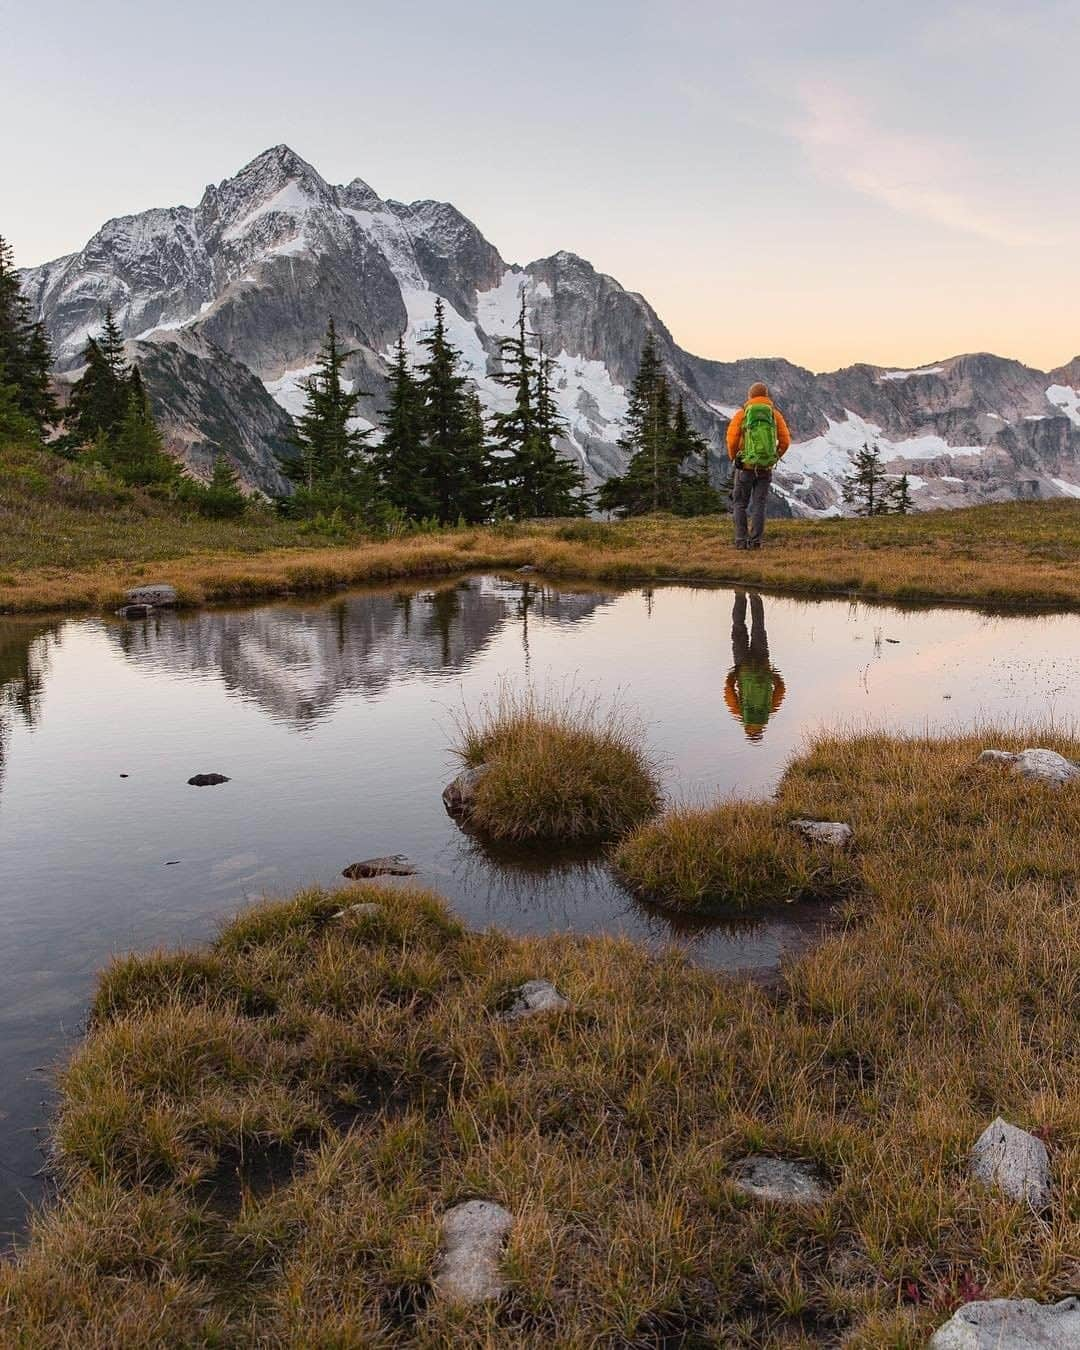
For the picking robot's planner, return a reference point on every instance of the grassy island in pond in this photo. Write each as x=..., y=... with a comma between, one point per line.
x=71, y=539
x=556, y=769
x=258, y=1141
x=727, y=859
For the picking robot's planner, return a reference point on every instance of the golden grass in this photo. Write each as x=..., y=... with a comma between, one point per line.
x=257, y=1140
x=78, y=546
x=560, y=770
x=727, y=858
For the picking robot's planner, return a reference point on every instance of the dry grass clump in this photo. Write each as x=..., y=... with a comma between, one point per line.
x=259, y=1151
x=560, y=769
x=727, y=858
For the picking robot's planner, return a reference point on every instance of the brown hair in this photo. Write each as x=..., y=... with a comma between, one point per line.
x=758, y=390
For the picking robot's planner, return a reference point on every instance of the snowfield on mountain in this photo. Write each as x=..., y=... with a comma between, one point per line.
x=225, y=304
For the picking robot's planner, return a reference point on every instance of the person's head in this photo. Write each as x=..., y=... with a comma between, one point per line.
x=758, y=390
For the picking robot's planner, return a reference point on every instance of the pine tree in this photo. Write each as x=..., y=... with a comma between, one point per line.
x=399, y=457
x=101, y=395
x=25, y=358
x=561, y=489
x=514, y=431
x=331, y=451
x=899, y=497
x=111, y=342
x=222, y=498
x=449, y=452
x=135, y=451
x=689, y=452
x=650, y=482
x=864, y=486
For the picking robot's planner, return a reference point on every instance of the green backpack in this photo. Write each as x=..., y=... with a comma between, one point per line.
x=759, y=449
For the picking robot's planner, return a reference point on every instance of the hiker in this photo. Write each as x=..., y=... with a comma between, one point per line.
x=757, y=438
x=754, y=690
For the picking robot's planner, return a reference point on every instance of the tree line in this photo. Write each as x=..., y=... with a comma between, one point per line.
x=870, y=491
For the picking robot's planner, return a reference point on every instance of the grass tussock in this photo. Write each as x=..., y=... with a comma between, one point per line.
x=268, y=1166
x=70, y=541
x=727, y=858
x=559, y=768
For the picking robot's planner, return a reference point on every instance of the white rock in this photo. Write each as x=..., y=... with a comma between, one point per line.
x=161, y=596
x=1043, y=766
x=473, y=1238
x=824, y=831
x=1011, y=1324
x=1014, y=1162
x=365, y=911
x=533, y=997
x=793, y=1183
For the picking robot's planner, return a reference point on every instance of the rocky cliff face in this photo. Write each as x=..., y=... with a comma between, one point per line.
x=227, y=302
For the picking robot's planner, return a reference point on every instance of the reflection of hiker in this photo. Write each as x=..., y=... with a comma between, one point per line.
x=757, y=438
x=754, y=690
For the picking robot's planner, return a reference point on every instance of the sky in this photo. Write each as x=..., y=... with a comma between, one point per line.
x=831, y=182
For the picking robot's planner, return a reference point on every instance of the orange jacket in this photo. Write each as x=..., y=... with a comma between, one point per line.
x=734, y=431
x=734, y=703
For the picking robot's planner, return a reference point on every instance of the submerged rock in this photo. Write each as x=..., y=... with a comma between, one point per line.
x=459, y=797
x=824, y=832
x=473, y=1238
x=533, y=997
x=1011, y=1324
x=1043, y=766
x=1014, y=1162
x=791, y=1183
x=135, y=611
x=159, y=596
x=393, y=865
x=207, y=780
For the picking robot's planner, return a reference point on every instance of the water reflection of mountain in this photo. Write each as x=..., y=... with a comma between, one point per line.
x=295, y=662
x=24, y=654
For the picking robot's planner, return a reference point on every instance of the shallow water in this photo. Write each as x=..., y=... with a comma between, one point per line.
x=332, y=719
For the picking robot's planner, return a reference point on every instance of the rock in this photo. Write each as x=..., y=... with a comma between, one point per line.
x=135, y=611
x=1043, y=766
x=473, y=1238
x=365, y=911
x=394, y=865
x=460, y=795
x=160, y=596
x=527, y=568
x=207, y=780
x=534, y=997
x=1011, y=1324
x=1014, y=1162
x=824, y=832
x=792, y=1183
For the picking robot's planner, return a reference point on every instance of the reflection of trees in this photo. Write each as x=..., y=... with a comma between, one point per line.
x=24, y=650
x=295, y=661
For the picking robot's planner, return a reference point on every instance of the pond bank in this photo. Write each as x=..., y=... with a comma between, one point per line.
x=261, y=1138
x=1013, y=555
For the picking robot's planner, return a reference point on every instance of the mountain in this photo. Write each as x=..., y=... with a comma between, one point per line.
x=226, y=304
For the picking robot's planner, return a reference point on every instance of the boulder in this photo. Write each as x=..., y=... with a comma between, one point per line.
x=365, y=911
x=473, y=1237
x=394, y=865
x=159, y=596
x=824, y=832
x=1014, y=1162
x=790, y=1183
x=1042, y=766
x=460, y=795
x=1011, y=1324
x=207, y=780
x=533, y=997
x=135, y=611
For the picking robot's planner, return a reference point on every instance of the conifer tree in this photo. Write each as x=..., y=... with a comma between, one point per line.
x=37, y=395
x=399, y=457
x=514, y=431
x=898, y=499
x=864, y=487
x=13, y=321
x=689, y=452
x=331, y=451
x=101, y=395
x=649, y=482
x=222, y=497
x=451, y=458
x=561, y=489
x=135, y=451
x=111, y=342
x=25, y=358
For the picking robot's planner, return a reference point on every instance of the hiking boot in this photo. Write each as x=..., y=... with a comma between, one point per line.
x=754, y=543
x=740, y=544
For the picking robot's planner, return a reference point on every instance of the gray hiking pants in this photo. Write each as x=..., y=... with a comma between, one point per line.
x=749, y=496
